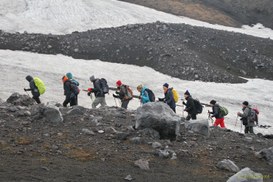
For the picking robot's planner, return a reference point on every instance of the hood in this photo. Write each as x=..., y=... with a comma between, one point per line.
x=29, y=78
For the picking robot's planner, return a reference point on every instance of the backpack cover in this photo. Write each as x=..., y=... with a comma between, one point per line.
x=129, y=92
x=252, y=115
x=104, y=86
x=198, y=106
x=223, y=110
x=151, y=95
x=175, y=95
x=40, y=85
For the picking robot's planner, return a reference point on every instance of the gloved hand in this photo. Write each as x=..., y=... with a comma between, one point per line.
x=161, y=99
x=183, y=103
x=88, y=93
x=115, y=96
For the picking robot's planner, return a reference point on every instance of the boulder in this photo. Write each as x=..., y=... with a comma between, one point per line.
x=21, y=100
x=198, y=126
x=142, y=164
x=52, y=114
x=149, y=133
x=228, y=165
x=246, y=175
x=160, y=117
x=266, y=154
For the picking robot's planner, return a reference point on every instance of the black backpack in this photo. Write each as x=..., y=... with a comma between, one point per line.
x=198, y=106
x=151, y=95
x=104, y=86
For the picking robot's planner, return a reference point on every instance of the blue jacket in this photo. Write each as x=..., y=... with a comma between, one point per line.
x=169, y=99
x=144, y=96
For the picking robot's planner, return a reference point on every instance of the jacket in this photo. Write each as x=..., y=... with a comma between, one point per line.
x=97, y=88
x=246, y=116
x=169, y=98
x=144, y=96
x=33, y=88
x=190, y=107
x=68, y=92
x=216, y=111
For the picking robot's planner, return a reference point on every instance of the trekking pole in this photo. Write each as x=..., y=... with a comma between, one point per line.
x=210, y=119
x=115, y=101
x=241, y=127
x=182, y=109
x=236, y=121
x=27, y=93
x=91, y=96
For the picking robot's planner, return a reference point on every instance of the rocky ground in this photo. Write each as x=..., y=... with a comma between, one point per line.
x=52, y=143
x=223, y=12
x=183, y=51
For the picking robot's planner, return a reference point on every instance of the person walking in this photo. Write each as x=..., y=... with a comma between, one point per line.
x=70, y=92
x=190, y=107
x=144, y=95
x=246, y=117
x=71, y=78
x=219, y=118
x=124, y=93
x=33, y=88
x=98, y=91
x=168, y=99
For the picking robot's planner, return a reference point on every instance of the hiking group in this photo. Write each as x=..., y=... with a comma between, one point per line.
x=123, y=92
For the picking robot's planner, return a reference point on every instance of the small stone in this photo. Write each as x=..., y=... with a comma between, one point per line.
x=128, y=178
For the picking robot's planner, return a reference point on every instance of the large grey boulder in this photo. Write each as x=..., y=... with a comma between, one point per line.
x=246, y=175
x=198, y=126
x=21, y=100
x=228, y=165
x=52, y=114
x=266, y=154
x=160, y=117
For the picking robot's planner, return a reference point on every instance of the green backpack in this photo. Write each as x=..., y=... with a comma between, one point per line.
x=40, y=85
x=223, y=111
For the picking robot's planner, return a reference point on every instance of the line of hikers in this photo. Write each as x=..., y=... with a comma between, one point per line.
x=125, y=94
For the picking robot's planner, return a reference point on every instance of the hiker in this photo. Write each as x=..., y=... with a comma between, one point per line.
x=219, y=118
x=71, y=78
x=190, y=107
x=168, y=99
x=98, y=91
x=245, y=117
x=124, y=93
x=144, y=95
x=33, y=88
x=70, y=92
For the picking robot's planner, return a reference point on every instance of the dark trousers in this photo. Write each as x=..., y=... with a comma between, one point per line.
x=124, y=103
x=73, y=101
x=249, y=129
x=37, y=99
x=191, y=116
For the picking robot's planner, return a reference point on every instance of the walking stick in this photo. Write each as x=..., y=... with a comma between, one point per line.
x=182, y=109
x=236, y=121
x=209, y=118
x=27, y=93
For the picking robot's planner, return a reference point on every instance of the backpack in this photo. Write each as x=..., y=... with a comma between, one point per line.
x=104, y=86
x=252, y=115
x=129, y=93
x=74, y=88
x=223, y=111
x=175, y=95
x=151, y=95
x=40, y=85
x=198, y=106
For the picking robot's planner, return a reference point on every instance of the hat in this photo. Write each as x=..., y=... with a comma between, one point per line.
x=118, y=83
x=69, y=75
x=140, y=86
x=213, y=102
x=245, y=103
x=29, y=78
x=166, y=85
x=187, y=93
x=92, y=78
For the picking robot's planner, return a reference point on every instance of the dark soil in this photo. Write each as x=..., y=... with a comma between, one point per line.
x=182, y=51
x=35, y=150
x=224, y=12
